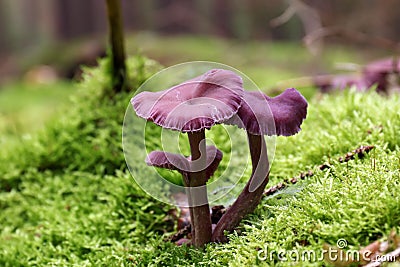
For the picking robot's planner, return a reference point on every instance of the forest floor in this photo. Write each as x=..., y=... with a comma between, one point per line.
x=68, y=199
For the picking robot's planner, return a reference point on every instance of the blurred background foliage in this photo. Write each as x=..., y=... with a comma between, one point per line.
x=36, y=31
x=44, y=43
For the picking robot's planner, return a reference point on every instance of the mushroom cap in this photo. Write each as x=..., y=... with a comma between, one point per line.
x=376, y=72
x=384, y=66
x=340, y=81
x=182, y=164
x=193, y=105
x=167, y=160
x=288, y=111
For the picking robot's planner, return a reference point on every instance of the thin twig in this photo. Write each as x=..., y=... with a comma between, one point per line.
x=351, y=35
x=360, y=152
x=309, y=18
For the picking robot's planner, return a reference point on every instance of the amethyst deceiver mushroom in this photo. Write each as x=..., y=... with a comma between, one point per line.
x=341, y=81
x=191, y=107
x=378, y=72
x=259, y=114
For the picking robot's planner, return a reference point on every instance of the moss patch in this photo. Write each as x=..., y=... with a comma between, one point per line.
x=67, y=199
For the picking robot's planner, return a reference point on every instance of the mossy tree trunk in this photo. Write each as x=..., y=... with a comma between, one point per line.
x=116, y=34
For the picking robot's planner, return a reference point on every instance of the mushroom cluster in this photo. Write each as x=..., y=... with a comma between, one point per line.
x=193, y=106
x=378, y=73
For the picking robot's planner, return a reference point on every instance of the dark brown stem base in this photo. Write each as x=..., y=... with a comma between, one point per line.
x=251, y=195
x=200, y=210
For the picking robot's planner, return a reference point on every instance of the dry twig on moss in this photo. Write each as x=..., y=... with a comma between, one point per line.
x=360, y=152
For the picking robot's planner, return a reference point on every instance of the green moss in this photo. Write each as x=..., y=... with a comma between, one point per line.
x=86, y=136
x=76, y=218
x=337, y=124
x=67, y=199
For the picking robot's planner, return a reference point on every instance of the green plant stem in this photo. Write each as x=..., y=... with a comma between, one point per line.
x=117, y=44
x=201, y=223
x=251, y=195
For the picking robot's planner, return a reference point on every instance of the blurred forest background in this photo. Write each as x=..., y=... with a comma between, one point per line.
x=33, y=31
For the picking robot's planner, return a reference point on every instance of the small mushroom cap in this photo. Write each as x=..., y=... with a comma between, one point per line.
x=288, y=110
x=182, y=164
x=168, y=161
x=340, y=81
x=195, y=104
x=376, y=73
x=384, y=66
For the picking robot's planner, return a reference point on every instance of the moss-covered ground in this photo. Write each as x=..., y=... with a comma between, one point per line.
x=67, y=198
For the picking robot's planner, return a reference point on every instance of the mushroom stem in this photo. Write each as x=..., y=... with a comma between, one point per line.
x=251, y=195
x=201, y=219
x=190, y=204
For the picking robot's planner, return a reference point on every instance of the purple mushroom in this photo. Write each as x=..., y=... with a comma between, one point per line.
x=377, y=73
x=191, y=107
x=341, y=81
x=258, y=115
x=386, y=65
